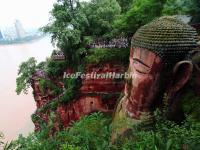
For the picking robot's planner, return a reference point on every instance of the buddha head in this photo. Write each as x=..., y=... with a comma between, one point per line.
x=159, y=65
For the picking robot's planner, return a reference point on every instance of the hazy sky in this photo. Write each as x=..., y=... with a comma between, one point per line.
x=32, y=13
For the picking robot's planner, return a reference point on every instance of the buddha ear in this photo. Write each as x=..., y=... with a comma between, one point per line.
x=182, y=72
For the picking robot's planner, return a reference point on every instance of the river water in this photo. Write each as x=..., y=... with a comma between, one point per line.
x=15, y=111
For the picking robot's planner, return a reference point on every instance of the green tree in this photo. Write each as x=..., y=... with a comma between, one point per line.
x=72, y=22
x=141, y=12
x=101, y=15
x=195, y=11
x=26, y=70
x=183, y=7
x=55, y=68
x=125, y=5
x=177, y=7
x=64, y=26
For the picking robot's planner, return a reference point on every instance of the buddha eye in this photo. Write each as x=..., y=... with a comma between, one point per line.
x=140, y=67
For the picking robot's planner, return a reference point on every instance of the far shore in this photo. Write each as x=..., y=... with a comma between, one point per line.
x=23, y=41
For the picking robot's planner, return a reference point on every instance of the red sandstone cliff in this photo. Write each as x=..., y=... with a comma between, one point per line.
x=94, y=95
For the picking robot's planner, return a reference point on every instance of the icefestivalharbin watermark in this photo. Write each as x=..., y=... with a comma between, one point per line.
x=95, y=75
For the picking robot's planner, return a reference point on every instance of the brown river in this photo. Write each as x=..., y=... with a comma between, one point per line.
x=15, y=111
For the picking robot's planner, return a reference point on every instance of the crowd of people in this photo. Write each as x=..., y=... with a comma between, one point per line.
x=122, y=42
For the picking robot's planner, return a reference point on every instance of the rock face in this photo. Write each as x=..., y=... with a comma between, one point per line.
x=83, y=106
x=98, y=94
x=42, y=98
x=102, y=85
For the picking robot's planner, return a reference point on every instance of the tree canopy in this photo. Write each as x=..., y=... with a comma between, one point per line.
x=183, y=7
x=177, y=7
x=140, y=13
x=195, y=11
x=73, y=21
x=26, y=70
x=100, y=15
x=64, y=26
x=125, y=5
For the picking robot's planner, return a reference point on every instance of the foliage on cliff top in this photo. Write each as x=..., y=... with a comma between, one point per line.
x=104, y=55
x=125, y=5
x=48, y=84
x=72, y=21
x=140, y=13
x=177, y=7
x=55, y=68
x=183, y=7
x=26, y=70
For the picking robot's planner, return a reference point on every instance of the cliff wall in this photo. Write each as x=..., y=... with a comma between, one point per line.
x=93, y=95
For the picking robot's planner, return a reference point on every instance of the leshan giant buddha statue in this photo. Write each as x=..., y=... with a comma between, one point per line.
x=159, y=65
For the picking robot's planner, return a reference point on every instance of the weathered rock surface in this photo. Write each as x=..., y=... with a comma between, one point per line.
x=95, y=95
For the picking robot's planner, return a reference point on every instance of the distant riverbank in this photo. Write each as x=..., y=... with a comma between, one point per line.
x=27, y=39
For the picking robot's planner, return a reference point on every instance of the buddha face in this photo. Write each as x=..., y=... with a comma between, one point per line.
x=143, y=88
x=146, y=87
x=150, y=78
